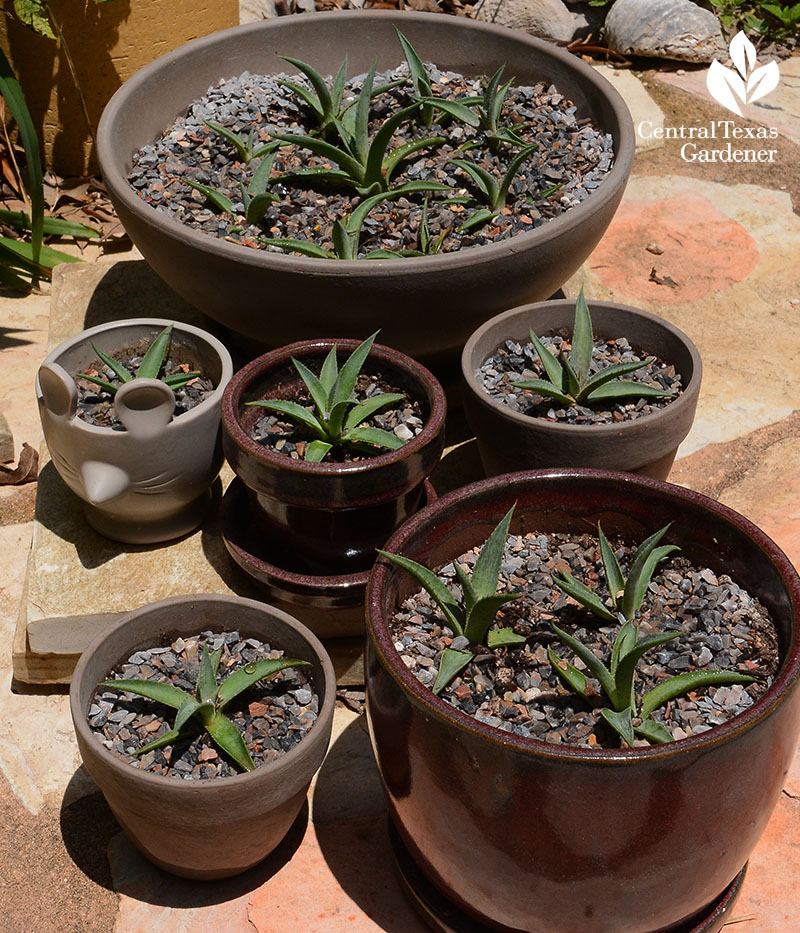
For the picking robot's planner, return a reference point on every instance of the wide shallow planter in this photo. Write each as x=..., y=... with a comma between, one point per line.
x=509, y=440
x=151, y=481
x=215, y=828
x=527, y=836
x=424, y=306
x=330, y=517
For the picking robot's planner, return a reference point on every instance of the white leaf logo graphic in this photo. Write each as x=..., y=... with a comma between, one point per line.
x=751, y=84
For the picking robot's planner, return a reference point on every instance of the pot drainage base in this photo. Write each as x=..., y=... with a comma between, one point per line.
x=444, y=916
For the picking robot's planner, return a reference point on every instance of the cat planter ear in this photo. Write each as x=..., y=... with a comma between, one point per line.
x=144, y=406
x=59, y=391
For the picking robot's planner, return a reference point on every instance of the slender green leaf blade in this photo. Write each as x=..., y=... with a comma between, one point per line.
x=570, y=675
x=486, y=571
x=221, y=201
x=166, y=739
x=438, y=591
x=115, y=366
x=161, y=693
x=608, y=373
x=395, y=157
x=328, y=374
x=592, y=662
x=691, y=680
x=481, y=615
x=239, y=144
x=510, y=174
x=477, y=219
x=95, y=380
x=625, y=389
x=653, y=731
x=485, y=183
x=468, y=590
x=324, y=108
x=369, y=406
x=54, y=226
x=614, y=579
x=348, y=375
x=376, y=437
x=546, y=389
x=626, y=639
x=295, y=412
x=550, y=363
x=583, y=594
x=626, y=667
x=450, y=664
x=230, y=740
x=316, y=451
x=314, y=386
x=337, y=88
x=188, y=708
x=504, y=637
x=376, y=151
x=152, y=361
x=454, y=109
x=582, y=339
x=621, y=722
x=249, y=675
x=361, y=125
x=48, y=258
x=207, y=678
x=328, y=151
x=298, y=246
x=641, y=572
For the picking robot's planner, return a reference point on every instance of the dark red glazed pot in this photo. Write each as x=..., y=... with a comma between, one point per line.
x=330, y=517
x=509, y=440
x=527, y=836
x=220, y=827
x=425, y=306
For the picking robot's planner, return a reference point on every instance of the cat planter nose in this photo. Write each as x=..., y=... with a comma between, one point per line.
x=103, y=482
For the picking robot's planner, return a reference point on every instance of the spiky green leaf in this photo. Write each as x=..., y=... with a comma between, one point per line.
x=641, y=572
x=569, y=674
x=115, y=366
x=375, y=437
x=653, y=731
x=316, y=451
x=691, y=680
x=626, y=667
x=298, y=246
x=219, y=200
x=614, y=579
x=592, y=662
x=625, y=389
x=314, y=386
x=249, y=675
x=503, y=638
x=153, y=360
x=546, y=389
x=369, y=406
x=450, y=664
x=582, y=339
x=438, y=591
x=510, y=174
x=207, y=678
x=230, y=740
x=550, y=363
x=481, y=615
x=349, y=373
x=581, y=593
x=621, y=722
x=486, y=571
x=295, y=412
x=161, y=693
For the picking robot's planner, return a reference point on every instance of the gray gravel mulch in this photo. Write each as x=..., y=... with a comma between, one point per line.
x=571, y=154
x=720, y=626
x=273, y=716
x=515, y=361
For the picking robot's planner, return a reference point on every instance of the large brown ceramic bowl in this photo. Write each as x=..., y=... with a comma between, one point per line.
x=528, y=836
x=424, y=306
x=509, y=440
x=218, y=827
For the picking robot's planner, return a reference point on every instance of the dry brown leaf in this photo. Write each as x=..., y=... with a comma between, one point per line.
x=26, y=470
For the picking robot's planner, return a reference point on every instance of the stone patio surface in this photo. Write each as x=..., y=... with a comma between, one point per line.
x=720, y=261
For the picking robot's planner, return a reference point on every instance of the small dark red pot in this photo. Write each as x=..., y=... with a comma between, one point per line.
x=331, y=516
x=213, y=828
x=509, y=440
x=527, y=836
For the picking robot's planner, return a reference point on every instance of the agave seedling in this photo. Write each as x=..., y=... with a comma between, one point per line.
x=472, y=616
x=346, y=232
x=256, y=199
x=488, y=190
x=149, y=368
x=429, y=245
x=627, y=717
x=247, y=149
x=204, y=710
x=326, y=102
x=338, y=417
x=419, y=78
x=568, y=378
x=365, y=163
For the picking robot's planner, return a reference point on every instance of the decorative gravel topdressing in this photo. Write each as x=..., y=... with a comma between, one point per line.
x=273, y=716
x=515, y=361
x=572, y=156
x=282, y=436
x=721, y=627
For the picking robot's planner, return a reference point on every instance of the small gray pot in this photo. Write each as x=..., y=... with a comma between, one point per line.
x=509, y=441
x=150, y=482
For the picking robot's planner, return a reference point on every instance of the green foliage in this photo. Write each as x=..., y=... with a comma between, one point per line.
x=36, y=14
x=256, y=199
x=770, y=20
x=419, y=78
x=628, y=594
x=338, y=417
x=625, y=716
x=204, y=710
x=247, y=149
x=472, y=616
x=149, y=368
x=568, y=380
x=489, y=191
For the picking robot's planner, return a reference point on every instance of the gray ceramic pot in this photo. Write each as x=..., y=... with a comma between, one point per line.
x=509, y=440
x=151, y=481
x=213, y=828
x=424, y=306
x=523, y=835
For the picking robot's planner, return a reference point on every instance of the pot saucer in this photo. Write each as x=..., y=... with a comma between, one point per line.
x=331, y=606
x=444, y=916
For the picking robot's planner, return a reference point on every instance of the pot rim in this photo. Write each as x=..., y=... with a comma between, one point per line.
x=232, y=426
x=264, y=771
x=187, y=417
x=377, y=631
x=687, y=398
x=547, y=232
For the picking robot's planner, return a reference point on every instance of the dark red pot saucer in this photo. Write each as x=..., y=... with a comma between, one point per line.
x=444, y=916
x=331, y=606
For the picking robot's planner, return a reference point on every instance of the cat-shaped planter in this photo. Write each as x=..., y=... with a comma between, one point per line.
x=149, y=482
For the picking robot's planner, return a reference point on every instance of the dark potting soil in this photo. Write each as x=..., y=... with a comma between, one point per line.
x=96, y=405
x=515, y=361
x=273, y=716
x=720, y=626
x=572, y=156
x=279, y=435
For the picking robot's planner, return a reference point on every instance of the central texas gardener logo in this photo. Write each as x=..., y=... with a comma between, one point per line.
x=750, y=84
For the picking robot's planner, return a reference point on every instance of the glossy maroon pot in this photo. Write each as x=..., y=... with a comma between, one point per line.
x=528, y=836
x=220, y=827
x=425, y=306
x=509, y=440
x=330, y=517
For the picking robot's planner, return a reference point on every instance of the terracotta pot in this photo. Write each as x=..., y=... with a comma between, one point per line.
x=212, y=828
x=330, y=517
x=424, y=306
x=509, y=440
x=529, y=836
x=151, y=481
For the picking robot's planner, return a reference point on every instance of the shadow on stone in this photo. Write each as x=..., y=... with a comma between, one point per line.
x=87, y=826
x=351, y=830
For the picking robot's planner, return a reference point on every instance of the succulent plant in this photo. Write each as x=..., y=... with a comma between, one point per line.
x=149, y=368
x=568, y=378
x=204, y=710
x=627, y=717
x=256, y=199
x=246, y=149
x=472, y=616
x=338, y=417
x=487, y=188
